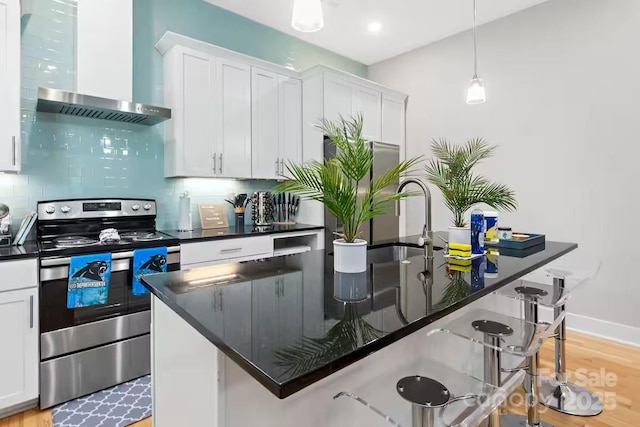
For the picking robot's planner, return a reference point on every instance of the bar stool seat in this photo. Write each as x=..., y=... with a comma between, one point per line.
x=500, y=334
x=557, y=393
x=427, y=393
x=525, y=338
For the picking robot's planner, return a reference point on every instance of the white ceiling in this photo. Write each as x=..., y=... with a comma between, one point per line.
x=407, y=24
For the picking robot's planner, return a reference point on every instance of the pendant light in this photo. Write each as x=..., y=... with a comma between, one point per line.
x=307, y=16
x=475, y=93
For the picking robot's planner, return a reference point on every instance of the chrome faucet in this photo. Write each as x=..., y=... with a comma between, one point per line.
x=427, y=233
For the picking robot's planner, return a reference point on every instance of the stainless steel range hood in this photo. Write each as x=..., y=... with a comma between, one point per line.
x=76, y=104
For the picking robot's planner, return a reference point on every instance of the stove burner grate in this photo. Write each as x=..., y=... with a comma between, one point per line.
x=141, y=236
x=74, y=242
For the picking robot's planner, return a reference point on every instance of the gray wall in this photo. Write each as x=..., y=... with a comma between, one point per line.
x=563, y=90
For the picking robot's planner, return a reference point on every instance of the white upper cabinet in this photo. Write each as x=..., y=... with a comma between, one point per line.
x=277, y=122
x=290, y=110
x=265, y=137
x=190, y=145
x=368, y=103
x=393, y=120
x=341, y=94
x=233, y=114
x=210, y=131
x=338, y=98
x=10, y=85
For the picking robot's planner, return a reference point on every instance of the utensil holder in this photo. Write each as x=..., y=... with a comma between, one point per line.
x=239, y=218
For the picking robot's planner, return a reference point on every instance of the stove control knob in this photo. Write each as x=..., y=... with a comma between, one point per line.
x=135, y=207
x=50, y=209
x=65, y=209
x=147, y=206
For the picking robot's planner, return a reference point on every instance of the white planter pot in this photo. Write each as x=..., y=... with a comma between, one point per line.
x=350, y=257
x=460, y=235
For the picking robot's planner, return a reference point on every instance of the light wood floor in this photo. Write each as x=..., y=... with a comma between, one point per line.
x=584, y=352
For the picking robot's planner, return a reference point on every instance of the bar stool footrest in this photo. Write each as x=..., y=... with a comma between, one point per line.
x=569, y=398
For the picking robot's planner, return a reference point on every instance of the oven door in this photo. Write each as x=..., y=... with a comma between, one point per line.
x=54, y=278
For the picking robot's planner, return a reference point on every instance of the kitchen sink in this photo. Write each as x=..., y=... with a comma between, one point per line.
x=382, y=254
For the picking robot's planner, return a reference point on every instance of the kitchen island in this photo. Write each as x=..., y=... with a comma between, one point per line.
x=271, y=342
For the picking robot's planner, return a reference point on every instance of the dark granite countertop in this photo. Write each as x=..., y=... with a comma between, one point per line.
x=28, y=250
x=235, y=232
x=291, y=321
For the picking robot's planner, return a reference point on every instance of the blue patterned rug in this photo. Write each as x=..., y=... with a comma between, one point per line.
x=118, y=406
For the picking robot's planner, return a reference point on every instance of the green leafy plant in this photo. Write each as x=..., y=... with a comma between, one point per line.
x=452, y=172
x=457, y=289
x=335, y=181
x=350, y=333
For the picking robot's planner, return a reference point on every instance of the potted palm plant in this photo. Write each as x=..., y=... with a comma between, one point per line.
x=335, y=182
x=451, y=170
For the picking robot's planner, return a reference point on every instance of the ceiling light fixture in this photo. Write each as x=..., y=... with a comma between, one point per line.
x=374, y=27
x=307, y=16
x=475, y=93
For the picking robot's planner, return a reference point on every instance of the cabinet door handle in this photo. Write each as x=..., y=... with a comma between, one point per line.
x=214, y=163
x=220, y=163
x=277, y=166
x=221, y=301
x=13, y=150
x=30, y=311
x=226, y=251
x=282, y=167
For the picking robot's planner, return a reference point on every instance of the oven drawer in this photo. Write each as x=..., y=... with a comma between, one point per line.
x=227, y=249
x=18, y=274
x=79, y=374
x=88, y=335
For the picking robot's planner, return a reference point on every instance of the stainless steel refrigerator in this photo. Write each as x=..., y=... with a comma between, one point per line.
x=383, y=227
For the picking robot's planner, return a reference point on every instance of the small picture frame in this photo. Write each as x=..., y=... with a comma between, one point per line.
x=213, y=215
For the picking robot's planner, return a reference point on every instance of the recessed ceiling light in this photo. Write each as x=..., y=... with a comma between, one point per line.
x=375, y=27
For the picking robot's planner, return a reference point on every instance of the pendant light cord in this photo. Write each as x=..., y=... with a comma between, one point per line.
x=475, y=43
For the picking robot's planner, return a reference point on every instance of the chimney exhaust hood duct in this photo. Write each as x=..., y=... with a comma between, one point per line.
x=75, y=104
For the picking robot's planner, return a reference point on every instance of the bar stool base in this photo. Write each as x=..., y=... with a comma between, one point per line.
x=514, y=420
x=569, y=398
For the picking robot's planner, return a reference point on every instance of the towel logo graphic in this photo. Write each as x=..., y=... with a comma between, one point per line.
x=88, y=280
x=94, y=270
x=155, y=263
x=147, y=261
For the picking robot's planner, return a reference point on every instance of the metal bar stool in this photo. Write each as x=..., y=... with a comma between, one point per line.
x=501, y=334
x=557, y=393
x=426, y=393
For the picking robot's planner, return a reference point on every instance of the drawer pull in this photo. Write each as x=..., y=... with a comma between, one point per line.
x=226, y=251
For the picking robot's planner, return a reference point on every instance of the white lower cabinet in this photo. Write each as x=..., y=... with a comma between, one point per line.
x=19, y=347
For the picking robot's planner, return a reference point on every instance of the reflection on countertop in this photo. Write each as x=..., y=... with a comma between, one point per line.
x=290, y=321
x=28, y=250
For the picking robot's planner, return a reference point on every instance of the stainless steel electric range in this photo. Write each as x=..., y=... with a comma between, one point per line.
x=86, y=349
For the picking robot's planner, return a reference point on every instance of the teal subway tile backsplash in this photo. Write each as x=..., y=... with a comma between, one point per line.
x=69, y=157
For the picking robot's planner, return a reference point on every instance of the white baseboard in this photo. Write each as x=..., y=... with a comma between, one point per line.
x=600, y=328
